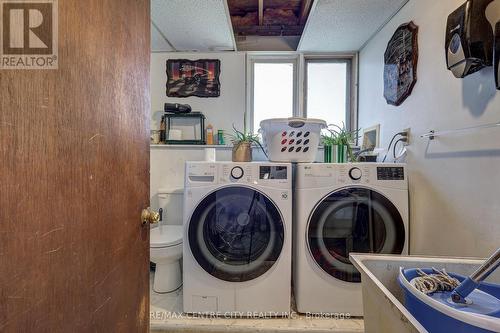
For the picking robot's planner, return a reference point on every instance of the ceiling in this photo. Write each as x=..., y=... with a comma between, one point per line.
x=191, y=25
x=269, y=17
x=343, y=26
x=268, y=25
x=158, y=40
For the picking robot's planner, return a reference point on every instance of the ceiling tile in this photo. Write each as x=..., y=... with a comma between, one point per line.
x=343, y=26
x=158, y=43
x=194, y=25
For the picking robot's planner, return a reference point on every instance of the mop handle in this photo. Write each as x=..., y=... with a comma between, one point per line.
x=472, y=282
x=487, y=267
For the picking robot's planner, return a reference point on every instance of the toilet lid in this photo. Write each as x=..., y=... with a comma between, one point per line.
x=166, y=235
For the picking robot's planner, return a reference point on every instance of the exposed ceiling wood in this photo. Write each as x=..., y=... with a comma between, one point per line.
x=261, y=12
x=241, y=7
x=305, y=8
x=271, y=30
x=269, y=17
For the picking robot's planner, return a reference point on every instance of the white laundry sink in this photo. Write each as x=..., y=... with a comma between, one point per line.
x=382, y=296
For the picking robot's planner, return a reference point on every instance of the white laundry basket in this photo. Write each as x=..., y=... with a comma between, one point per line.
x=292, y=139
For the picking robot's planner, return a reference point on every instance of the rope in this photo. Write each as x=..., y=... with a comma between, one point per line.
x=439, y=281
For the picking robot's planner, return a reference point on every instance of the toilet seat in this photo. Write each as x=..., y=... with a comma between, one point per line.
x=166, y=236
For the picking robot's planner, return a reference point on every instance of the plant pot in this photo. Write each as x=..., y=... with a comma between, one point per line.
x=341, y=154
x=327, y=153
x=330, y=153
x=242, y=152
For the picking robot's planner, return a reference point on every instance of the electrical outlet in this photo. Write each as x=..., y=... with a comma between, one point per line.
x=408, y=133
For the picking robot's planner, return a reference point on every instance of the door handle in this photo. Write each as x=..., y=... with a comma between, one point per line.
x=149, y=216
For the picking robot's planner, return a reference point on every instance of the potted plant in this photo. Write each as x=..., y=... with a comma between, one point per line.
x=330, y=140
x=242, y=145
x=338, y=143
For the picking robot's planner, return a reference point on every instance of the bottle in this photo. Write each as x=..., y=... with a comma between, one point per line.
x=210, y=134
x=220, y=136
x=163, y=130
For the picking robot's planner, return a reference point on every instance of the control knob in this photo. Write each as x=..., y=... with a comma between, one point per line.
x=355, y=173
x=237, y=172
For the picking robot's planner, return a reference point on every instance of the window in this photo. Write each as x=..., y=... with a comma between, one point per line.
x=320, y=87
x=327, y=92
x=273, y=89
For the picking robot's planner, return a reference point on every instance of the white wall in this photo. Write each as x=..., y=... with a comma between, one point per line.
x=222, y=111
x=167, y=167
x=167, y=163
x=454, y=180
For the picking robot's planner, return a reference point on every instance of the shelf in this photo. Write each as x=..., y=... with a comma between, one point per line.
x=153, y=146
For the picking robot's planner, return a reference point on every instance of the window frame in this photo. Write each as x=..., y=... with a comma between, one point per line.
x=287, y=58
x=343, y=60
x=300, y=61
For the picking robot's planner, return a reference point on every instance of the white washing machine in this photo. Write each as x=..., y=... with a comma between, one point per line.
x=238, y=237
x=343, y=208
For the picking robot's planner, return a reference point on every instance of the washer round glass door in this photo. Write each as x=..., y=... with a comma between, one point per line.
x=236, y=234
x=353, y=220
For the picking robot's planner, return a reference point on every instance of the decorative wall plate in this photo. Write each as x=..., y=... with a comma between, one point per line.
x=400, y=59
x=198, y=78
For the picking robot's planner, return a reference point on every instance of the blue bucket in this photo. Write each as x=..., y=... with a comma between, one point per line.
x=438, y=313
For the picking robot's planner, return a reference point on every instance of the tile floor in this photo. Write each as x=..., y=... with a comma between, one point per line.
x=166, y=316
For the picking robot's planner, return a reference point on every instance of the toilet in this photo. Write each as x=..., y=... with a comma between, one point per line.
x=166, y=243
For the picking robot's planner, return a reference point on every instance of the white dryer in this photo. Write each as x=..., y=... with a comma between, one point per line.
x=238, y=236
x=343, y=208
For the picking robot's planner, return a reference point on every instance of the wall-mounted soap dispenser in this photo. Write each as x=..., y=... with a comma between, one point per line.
x=497, y=55
x=469, y=38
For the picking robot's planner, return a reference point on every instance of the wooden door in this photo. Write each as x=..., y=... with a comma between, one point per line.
x=74, y=176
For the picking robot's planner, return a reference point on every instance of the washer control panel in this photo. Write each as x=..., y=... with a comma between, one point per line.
x=237, y=172
x=355, y=173
x=390, y=173
x=254, y=173
x=273, y=172
x=272, y=175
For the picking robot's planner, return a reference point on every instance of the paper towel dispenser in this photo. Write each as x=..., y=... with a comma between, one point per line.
x=497, y=55
x=469, y=39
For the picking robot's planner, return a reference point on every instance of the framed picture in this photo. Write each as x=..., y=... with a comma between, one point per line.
x=400, y=64
x=186, y=78
x=371, y=137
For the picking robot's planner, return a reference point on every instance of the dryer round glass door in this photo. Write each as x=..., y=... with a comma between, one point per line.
x=353, y=220
x=236, y=234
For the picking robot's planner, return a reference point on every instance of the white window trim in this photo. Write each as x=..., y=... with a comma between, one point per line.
x=352, y=90
x=299, y=60
x=285, y=57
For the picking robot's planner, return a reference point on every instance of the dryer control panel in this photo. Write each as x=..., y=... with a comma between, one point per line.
x=347, y=174
x=322, y=175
